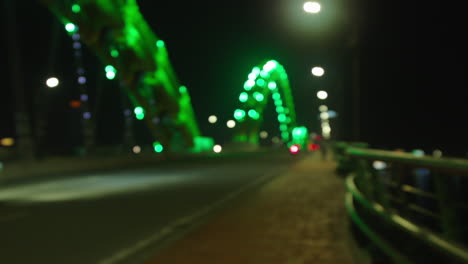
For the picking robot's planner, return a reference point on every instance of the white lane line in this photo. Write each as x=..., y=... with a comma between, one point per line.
x=12, y=217
x=125, y=253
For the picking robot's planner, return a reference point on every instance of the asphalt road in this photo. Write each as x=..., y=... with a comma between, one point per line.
x=123, y=216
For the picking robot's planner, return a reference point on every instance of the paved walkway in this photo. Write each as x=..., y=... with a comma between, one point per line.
x=298, y=217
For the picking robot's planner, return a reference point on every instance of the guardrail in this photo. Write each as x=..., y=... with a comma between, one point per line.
x=414, y=209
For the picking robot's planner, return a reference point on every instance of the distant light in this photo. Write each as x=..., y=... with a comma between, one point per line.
x=114, y=53
x=326, y=129
x=260, y=82
x=77, y=45
x=322, y=95
x=231, y=123
x=87, y=115
x=183, y=89
x=324, y=115
x=323, y=108
x=379, y=165
x=76, y=8
x=52, y=82
x=263, y=134
x=84, y=97
x=312, y=7
x=70, y=27
x=294, y=149
x=270, y=65
x=158, y=148
x=217, y=148
x=437, y=153
x=160, y=44
x=139, y=112
x=318, y=71
x=418, y=152
x=110, y=75
x=127, y=112
x=275, y=140
x=136, y=149
x=7, y=142
x=81, y=80
x=75, y=103
x=212, y=119
x=76, y=36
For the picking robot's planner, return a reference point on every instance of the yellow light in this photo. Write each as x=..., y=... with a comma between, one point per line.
x=212, y=119
x=231, y=123
x=7, y=142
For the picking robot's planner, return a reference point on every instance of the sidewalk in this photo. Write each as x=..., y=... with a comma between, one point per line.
x=298, y=217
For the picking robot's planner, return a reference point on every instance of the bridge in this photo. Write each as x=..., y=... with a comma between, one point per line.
x=182, y=202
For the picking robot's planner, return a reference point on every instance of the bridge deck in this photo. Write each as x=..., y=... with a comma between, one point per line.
x=298, y=217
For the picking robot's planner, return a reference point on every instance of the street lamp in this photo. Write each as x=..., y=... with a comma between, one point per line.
x=318, y=71
x=212, y=119
x=52, y=82
x=312, y=7
x=322, y=95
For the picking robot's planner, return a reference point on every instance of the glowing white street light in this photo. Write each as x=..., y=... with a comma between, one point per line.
x=322, y=95
x=318, y=71
x=52, y=82
x=212, y=119
x=312, y=7
x=231, y=123
x=217, y=148
x=323, y=108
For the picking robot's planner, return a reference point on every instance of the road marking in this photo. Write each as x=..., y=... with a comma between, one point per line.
x=170, y=228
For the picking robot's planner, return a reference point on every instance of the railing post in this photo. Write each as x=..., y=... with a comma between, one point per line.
x=447, y=206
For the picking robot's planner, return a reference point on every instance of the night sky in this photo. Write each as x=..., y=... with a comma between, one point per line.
x=413, y=74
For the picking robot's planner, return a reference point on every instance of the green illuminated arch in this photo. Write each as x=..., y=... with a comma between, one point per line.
x=265, y=80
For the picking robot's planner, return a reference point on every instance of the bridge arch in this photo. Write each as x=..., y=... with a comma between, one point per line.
x=265, y=80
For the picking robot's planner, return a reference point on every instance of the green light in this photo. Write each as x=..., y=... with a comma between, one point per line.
x=110, y=75
x=243, y=97
x=276, y=96
x=258, y=96
x=271, y=85
x=252, y=76
x=182, y=89
x=139, y=112
x=239, y=114
x=282, y=118
x=70, y=27
x=76, y=8
x=114, y=53
x=256, y=70
x=260, y=82
x=254, y=114
x=249, y=84
x=285, y=135
x=110, y=68
x=270, y=65
x=280, y=109
x=283, y=127
x=158, y=147
x=264, y=74
x=160, y=44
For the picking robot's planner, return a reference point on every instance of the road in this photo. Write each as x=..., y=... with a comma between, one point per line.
x=121, y=217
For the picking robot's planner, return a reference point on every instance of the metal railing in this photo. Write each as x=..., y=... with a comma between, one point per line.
x=411, y=207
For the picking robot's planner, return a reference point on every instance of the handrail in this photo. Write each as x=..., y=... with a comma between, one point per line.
x=439, y=164
x=458, y=251
x=414, y=194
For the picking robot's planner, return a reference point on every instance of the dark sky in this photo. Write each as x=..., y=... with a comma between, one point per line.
x=413, y=68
